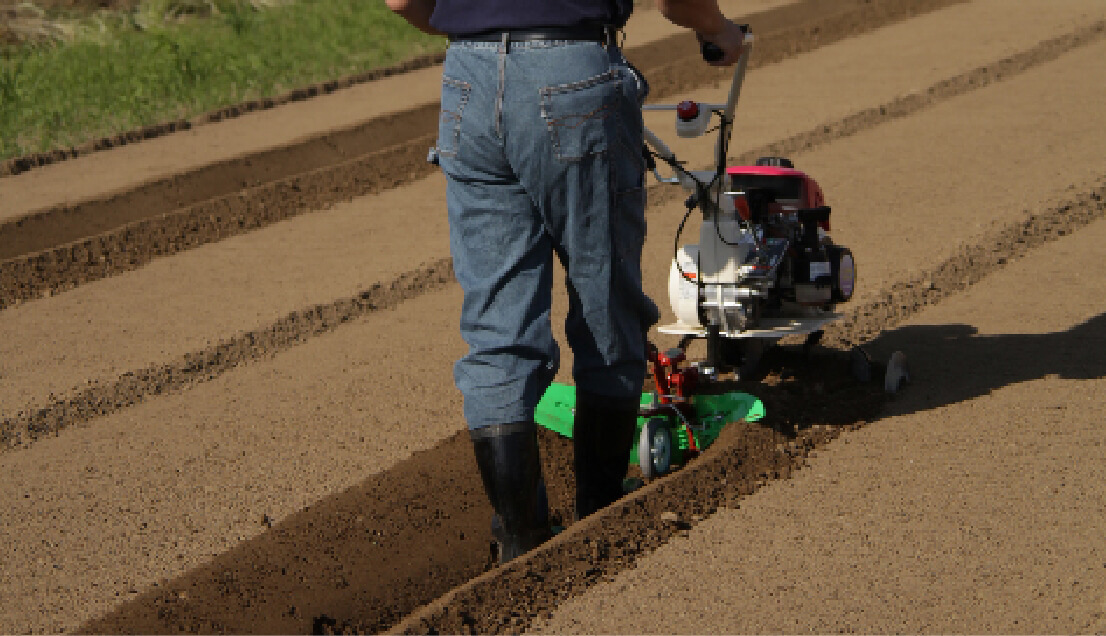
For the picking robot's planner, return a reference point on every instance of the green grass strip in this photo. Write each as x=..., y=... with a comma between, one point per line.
x=137, y=74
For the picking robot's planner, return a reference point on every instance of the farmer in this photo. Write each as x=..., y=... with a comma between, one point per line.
x=540, y=140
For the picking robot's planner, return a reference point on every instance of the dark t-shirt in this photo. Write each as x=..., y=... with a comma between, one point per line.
x=465, y=17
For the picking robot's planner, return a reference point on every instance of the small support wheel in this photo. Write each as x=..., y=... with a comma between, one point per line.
x=654, y=448
x=897, y=373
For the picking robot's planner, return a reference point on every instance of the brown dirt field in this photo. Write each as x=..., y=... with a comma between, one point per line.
x=217, y=422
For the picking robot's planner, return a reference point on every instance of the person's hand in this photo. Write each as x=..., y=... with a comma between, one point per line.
x=730, y=39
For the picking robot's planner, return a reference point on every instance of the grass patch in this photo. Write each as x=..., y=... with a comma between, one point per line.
x=169, y=59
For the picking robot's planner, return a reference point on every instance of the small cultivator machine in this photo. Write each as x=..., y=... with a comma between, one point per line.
x=764, y=268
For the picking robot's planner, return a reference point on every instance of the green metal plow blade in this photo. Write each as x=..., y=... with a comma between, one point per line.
x=555, y=409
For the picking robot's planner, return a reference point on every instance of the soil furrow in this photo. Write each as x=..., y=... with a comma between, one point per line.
x=129, y=389
x=672, y=76
x=768, y=20
x=972, y=264
x=944, y=90
x=64, y=224
x=210, y=204
x=200, y=366
x=373, y=546
x=128, y=248
x=743, y=459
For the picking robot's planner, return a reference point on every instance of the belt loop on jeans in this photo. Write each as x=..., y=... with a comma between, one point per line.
x=610, y=36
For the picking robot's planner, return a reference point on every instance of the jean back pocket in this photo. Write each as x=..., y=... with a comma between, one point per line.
x=578, y=115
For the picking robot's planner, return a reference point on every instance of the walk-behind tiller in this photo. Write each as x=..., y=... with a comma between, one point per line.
x=764, y=268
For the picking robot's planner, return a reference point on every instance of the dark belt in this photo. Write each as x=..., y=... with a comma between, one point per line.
x=589, y=33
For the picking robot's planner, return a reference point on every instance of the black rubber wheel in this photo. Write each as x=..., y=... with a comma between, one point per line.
x=843, y=271
x=654, y=448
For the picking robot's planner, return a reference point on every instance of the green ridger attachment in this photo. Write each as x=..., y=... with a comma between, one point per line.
x=713, y=413
x=556, y=408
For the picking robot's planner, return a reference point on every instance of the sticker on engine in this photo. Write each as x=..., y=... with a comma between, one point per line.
x=819, y=269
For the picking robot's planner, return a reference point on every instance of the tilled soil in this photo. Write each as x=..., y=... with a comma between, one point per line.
x=742, y=460
x=384, y=551
x=365, y=557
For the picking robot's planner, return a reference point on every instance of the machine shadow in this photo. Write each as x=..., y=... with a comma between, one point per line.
x=953, y=363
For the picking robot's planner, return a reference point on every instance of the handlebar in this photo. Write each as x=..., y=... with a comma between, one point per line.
x=726, y=111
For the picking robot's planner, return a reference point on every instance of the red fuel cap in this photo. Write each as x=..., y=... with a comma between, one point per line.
x=687, y=110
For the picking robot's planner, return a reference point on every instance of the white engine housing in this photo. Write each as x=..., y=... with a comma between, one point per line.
x=683, y=294
x=717, y=264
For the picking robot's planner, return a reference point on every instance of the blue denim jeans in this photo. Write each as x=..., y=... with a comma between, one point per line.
x=541, y=146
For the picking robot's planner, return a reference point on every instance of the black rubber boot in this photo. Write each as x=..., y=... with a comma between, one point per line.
x=510, y=466
x=602, y=436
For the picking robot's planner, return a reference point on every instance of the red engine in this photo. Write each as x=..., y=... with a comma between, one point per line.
x=790, y=189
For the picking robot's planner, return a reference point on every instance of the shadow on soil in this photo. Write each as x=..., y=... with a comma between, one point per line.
x=954, y=363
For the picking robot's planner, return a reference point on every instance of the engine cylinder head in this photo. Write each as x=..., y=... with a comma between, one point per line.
x=775, y=162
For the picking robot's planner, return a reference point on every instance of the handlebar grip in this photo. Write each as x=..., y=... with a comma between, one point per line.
x=711, y=51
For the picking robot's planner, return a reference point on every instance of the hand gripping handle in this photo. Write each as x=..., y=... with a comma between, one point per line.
x=712, y=52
